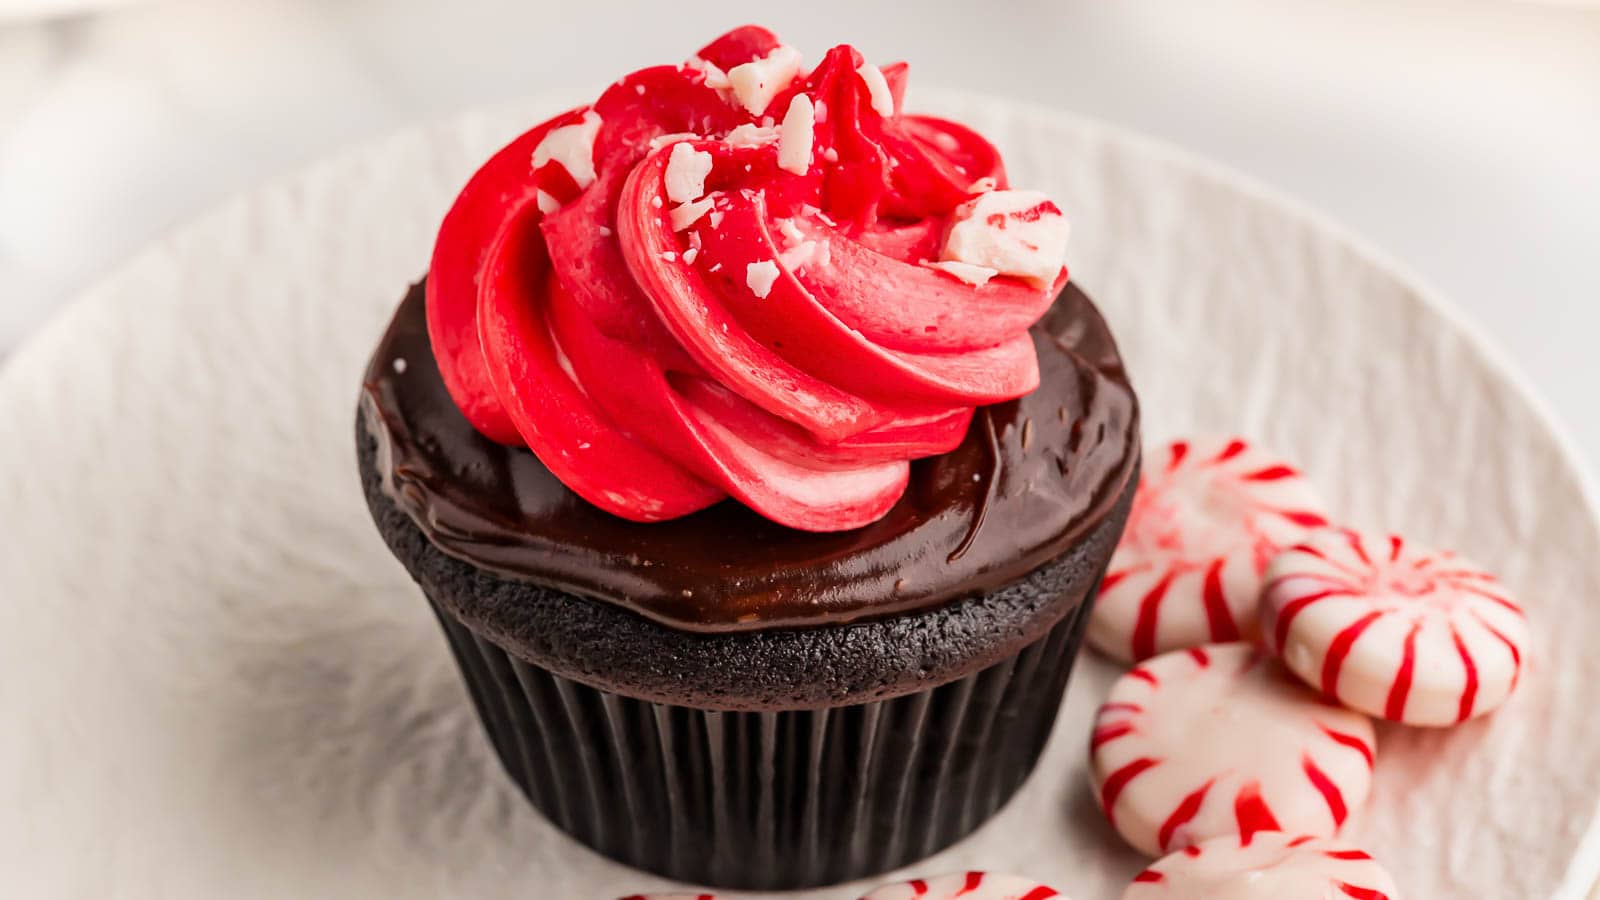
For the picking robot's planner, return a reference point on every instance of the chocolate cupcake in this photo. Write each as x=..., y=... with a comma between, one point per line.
x=759, y=464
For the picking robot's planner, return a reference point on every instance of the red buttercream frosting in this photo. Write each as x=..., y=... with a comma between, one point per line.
x=732, y=277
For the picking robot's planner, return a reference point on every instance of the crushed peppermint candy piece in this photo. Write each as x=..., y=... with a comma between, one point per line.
x=977, y=276
x=547, y=204
x=1219, y=740
x=715, y=78
x=755, y=83
x=686, y=214
x=1020, y=233
x=573, y=147
x=1209, y=515
x=759, y=276
x=804, y=254
x=749, y=135
x=882, y=100
x=1271, y=864
x=690, y=254
x=1394, y=629
x=967, y=886
x=686, y=173
x=796, y=136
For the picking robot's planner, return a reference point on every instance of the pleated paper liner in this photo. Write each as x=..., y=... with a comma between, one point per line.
x=769, y=800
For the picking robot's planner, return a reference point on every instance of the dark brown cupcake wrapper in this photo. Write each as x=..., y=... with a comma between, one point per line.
x=769, y=800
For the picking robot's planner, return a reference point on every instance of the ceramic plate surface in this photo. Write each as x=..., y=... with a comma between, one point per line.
x=217, y=682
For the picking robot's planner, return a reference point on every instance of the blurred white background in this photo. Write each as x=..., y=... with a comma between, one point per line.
x=1463, y=136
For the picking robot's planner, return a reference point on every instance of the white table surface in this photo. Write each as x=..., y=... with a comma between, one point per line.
x=1462, y=137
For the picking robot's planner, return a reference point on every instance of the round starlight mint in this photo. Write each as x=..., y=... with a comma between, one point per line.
x=1217, y=740
x=1271, y=865
x=1394, y=629
x=1208, y=517
x=967, y=886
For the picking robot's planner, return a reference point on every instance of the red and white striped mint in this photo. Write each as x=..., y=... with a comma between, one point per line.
x=967, y=886
x=1393, y=629
x=1219, y=740
x=1272, y=865
x=1208, y=516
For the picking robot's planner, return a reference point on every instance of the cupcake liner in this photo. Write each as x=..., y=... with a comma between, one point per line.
x=776, y=799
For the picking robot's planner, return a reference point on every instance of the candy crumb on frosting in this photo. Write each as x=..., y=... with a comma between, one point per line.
x=759, y=276
x=755, y=83
x=573, y=147
x=1021, y=233
x=971, y=274
x=687, y=169
x=795, y=137
x=877, y=89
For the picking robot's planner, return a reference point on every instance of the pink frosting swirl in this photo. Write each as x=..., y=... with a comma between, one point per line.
x=735, y=278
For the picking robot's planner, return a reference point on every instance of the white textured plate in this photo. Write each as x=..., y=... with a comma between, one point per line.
x=216, y=682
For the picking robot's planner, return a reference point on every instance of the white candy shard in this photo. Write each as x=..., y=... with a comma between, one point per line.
x=661, y=140
x=983, y=185
x=1019, y=233
x=967, y=886
x=1208, y=516
x=686, y=173
x=804, y=254
x=790, y=232
x=756, y=83
x=1219, y=740
x=686, y=214
x=690, y=254
x=748, y=135
x=1271, y=864
x=794, y=141
x=714, y=76
x=977, y=276
x=877, y=89
x=1394, y=629
x=573, y=147
x=759, y=276
x=547, y=203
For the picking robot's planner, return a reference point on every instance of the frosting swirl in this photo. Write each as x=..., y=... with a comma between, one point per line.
x=687, y=298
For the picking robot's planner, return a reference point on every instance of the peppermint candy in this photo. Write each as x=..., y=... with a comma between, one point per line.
x=1216, y=741
x=1394, y=629
x=1208, y=516
x=966, y=886
x=1271, y=864
x=963, y=885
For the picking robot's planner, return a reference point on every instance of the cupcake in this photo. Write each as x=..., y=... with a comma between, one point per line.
x=759, y=463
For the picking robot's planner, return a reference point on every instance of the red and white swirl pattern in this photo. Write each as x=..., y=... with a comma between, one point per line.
x=1272, y=865
x=737, y=278
x=1394, y=629
x=1208, y=516
x=959, y=886
x=967, y=886
x=1218, y=740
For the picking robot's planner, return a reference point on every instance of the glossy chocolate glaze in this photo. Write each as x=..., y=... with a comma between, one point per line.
x=1033, y=476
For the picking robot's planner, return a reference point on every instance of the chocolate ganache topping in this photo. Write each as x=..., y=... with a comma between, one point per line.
x=1031, y=477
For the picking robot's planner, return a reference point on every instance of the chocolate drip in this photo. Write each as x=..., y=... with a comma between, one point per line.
x=1032, y=477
